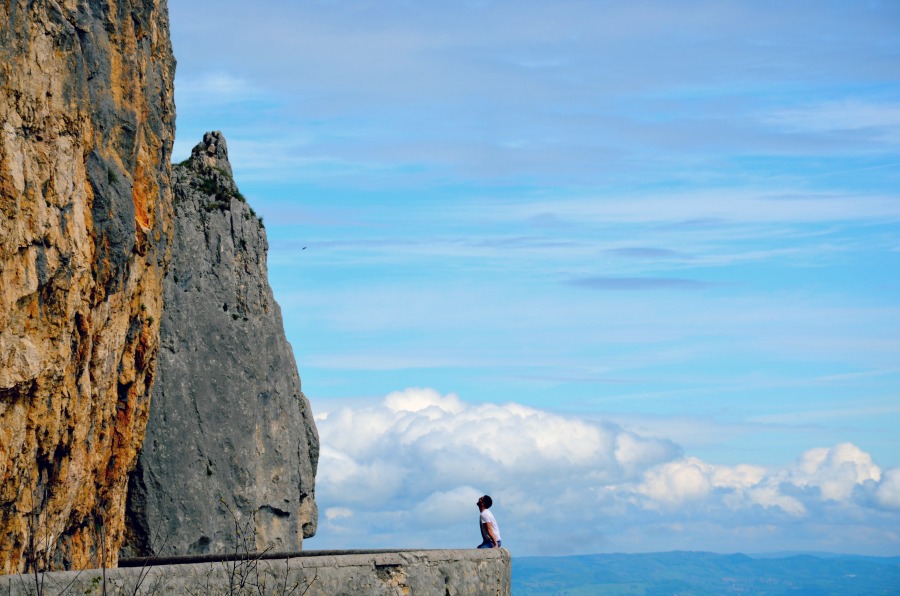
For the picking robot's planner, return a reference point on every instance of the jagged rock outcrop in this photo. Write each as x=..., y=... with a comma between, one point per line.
x=87, y=118
x=230, y=432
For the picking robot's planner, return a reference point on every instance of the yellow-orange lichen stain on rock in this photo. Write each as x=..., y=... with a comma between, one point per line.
x=86, y=128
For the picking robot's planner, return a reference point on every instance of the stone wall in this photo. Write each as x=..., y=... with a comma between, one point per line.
x=476, y=572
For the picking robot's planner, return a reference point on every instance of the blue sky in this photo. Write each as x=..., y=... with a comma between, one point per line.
x=630, y=268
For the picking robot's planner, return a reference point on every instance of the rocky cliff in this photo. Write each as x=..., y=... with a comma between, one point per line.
x=87, y=116
x=230, y=432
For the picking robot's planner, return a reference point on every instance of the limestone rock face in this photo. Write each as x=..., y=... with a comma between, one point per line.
x=86, y=129
x=230, y=432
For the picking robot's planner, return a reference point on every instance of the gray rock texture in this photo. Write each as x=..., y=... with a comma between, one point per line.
x=230, y=443
x=474, y=572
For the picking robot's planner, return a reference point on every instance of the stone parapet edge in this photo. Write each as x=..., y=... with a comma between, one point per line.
x=456, y=571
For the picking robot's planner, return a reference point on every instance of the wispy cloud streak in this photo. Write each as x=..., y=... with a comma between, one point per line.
x=638, y=283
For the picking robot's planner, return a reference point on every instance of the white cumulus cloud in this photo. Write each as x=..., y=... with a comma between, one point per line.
x=408, y=471
x=888, y=492
x=676, y=483
x=836, y=471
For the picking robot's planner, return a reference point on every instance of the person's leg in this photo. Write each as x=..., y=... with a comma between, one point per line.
x=486, y=544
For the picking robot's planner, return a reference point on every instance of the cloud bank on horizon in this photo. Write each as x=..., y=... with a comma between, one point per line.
x=407, y=472
x=667, y=229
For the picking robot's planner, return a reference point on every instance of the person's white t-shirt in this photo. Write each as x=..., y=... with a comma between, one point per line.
x=488, y=518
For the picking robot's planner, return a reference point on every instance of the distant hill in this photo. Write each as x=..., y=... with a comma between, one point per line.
x=705, y=573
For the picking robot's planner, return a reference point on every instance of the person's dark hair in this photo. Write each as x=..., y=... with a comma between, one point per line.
x=487, y=501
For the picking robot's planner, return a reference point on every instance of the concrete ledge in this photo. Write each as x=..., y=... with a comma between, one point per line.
x=442, y=572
